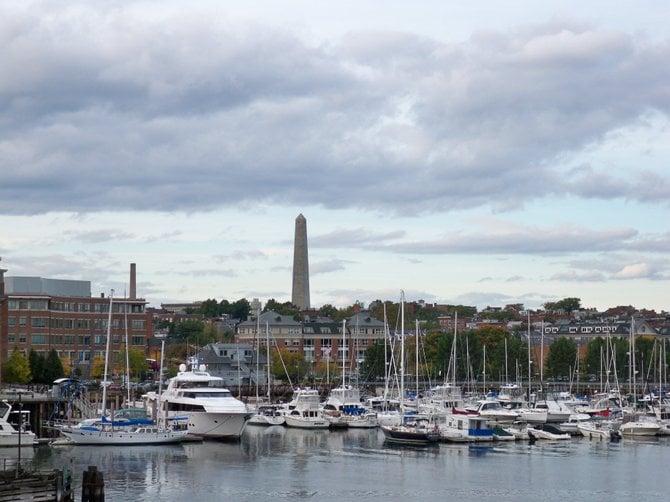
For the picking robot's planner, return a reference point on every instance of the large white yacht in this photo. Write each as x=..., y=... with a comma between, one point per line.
x=210, y=410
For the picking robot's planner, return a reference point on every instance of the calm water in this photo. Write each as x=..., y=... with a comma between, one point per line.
x=284, y=464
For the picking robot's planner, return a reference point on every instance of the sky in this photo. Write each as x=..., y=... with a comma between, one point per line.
x=477, y=153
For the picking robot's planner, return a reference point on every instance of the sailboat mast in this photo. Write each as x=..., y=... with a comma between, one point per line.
x=416, y=358
x=257, y=340
x=453, y=347
x=107, y=347
x=125, y=322
x=402, y=350
x=267, y=356
x=529, y=360
x=344, y=343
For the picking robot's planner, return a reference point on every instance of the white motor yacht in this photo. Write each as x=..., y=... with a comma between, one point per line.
x=210, y=410
x=13, y=436
x=304, y=411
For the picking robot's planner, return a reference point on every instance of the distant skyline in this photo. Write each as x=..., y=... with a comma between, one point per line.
x=481, y=153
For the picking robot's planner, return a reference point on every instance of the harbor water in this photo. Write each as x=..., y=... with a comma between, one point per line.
x=278, y=463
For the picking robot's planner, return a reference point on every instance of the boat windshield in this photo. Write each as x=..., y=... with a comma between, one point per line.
x=191, y=384
x=200, y=394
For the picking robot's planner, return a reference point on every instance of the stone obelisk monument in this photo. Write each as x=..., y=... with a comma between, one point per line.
x=300, y=294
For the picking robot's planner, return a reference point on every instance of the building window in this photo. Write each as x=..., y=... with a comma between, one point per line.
x=38, y=339
x=11, y=338
x=69, y=339
x=11, y=321
x=11, y=304
x=38, y=322
x=39, y=305
x=22, y=320
x=84, y=307
x=22, y=338
x=137, y=324
x=138, y=340
x=326, y=342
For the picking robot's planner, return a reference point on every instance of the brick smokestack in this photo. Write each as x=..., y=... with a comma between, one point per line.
x=133, y=281
x=2, y=281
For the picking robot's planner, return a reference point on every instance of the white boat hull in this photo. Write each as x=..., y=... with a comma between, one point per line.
x=307, y=422
x=213, y=425
x=121, y=438
x=12, y=439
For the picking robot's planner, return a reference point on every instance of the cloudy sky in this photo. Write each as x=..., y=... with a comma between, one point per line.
x=483, y=153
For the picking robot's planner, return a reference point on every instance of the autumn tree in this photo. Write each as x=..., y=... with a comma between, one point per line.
x=17, y=368
x=291, y=365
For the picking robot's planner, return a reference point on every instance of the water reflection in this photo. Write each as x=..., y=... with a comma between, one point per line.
x=279, y=463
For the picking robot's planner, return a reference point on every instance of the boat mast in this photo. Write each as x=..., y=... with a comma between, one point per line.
x=416, y=361
x=344, y=343
x=402, y=350
x=484, y=370
x=529, y=360
x=125, y=322
x=267, y=356
x=257, y=340
x=107, y=347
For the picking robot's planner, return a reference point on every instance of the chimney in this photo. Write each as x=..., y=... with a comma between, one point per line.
x=133, y=283
x=2, y=280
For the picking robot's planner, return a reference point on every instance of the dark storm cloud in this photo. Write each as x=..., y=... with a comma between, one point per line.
x=103, y=108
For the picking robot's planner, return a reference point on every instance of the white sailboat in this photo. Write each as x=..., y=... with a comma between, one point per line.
x=266, y=413
x=107, y=431
x=343, y=406
x=413, y=429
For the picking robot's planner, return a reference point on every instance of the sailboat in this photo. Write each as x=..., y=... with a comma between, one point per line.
x=107, y=431
x=343, y=407
x=414, y=429
x=266, y=413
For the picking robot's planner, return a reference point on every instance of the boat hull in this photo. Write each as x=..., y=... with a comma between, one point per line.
x=307, y=422
x=121, y=438
x=403, y=435
x=214, y=425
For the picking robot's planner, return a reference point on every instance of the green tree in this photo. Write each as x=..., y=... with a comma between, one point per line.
x=562, y=357
x=289, y=363
x=188, y=330
x=565, y=305
x=286, y=308
x=328, y=310
x=210, y=309
x=53, y=367
x=373, y=366
x=137, y=360
x=595, y=357
x=239, y=309
x=37, y=363
x=17, y=368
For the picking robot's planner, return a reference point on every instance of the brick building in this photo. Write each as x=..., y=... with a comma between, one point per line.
x=43, y=314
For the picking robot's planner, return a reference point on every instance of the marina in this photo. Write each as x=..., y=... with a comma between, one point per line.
x=270, y=463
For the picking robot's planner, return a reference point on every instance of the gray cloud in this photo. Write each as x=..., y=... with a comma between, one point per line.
x=327, y=266
x=193, y=112
x=528, y=240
